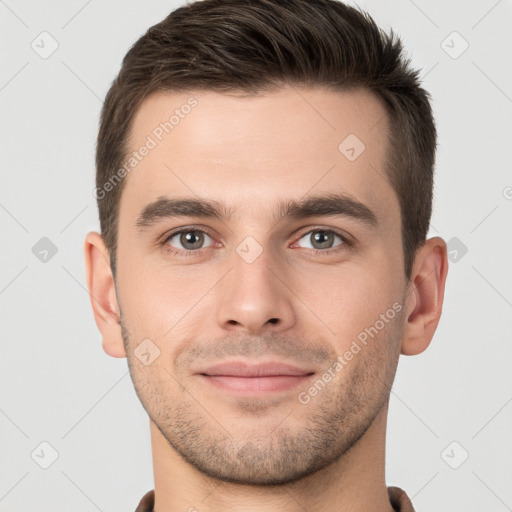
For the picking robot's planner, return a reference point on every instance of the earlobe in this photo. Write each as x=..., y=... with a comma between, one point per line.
x=425, y=296
x=102, y=292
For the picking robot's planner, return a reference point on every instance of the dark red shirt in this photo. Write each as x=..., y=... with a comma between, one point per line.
x=399, y=501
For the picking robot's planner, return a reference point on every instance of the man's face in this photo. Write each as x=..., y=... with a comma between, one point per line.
x=258, y=285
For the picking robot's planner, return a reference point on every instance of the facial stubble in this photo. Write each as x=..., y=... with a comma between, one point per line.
x=296, y=441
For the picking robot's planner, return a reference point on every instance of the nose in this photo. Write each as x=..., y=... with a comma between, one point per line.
x=254, y=296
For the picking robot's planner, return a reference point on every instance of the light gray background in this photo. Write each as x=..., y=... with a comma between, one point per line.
x=57, y=384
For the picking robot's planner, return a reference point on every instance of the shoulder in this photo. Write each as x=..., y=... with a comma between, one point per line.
x=147, y=502
x=399, y=500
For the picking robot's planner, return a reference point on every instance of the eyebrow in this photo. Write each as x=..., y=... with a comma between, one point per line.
x=326, y=205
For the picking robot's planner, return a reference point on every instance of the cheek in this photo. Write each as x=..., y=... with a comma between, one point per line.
x=162, y=300
x=345, y=300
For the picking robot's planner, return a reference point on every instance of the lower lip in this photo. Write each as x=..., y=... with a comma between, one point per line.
x=256, y=384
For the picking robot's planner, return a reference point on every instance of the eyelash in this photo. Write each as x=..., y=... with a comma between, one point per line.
x=346, y=243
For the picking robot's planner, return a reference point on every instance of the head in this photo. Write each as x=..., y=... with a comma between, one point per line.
x=296, y=144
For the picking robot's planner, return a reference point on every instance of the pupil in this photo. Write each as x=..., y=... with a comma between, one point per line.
x=322, y=238
x=188, y=238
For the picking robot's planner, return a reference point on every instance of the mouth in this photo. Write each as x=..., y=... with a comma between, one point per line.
x=240, y=377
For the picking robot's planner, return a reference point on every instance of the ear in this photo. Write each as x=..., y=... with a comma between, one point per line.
x=425, y=295
x=102, y=293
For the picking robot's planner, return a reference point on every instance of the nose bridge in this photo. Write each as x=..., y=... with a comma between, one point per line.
x=253, y=297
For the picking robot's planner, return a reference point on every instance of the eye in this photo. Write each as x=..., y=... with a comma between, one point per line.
x=189, y=240
x=322, y=240
x=192, y=241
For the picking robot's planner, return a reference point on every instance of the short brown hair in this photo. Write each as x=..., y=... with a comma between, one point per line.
x=255, y=46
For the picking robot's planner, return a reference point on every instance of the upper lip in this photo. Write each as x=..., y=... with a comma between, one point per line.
x=243, y=369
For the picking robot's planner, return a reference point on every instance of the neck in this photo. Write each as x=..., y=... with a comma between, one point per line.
x=356, y=481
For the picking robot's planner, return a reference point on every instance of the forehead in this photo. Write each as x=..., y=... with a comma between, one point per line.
x=250, y=151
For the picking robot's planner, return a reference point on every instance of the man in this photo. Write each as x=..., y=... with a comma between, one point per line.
x=264, y=183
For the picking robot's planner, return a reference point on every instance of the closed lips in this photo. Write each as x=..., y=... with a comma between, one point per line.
x=238, y=369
